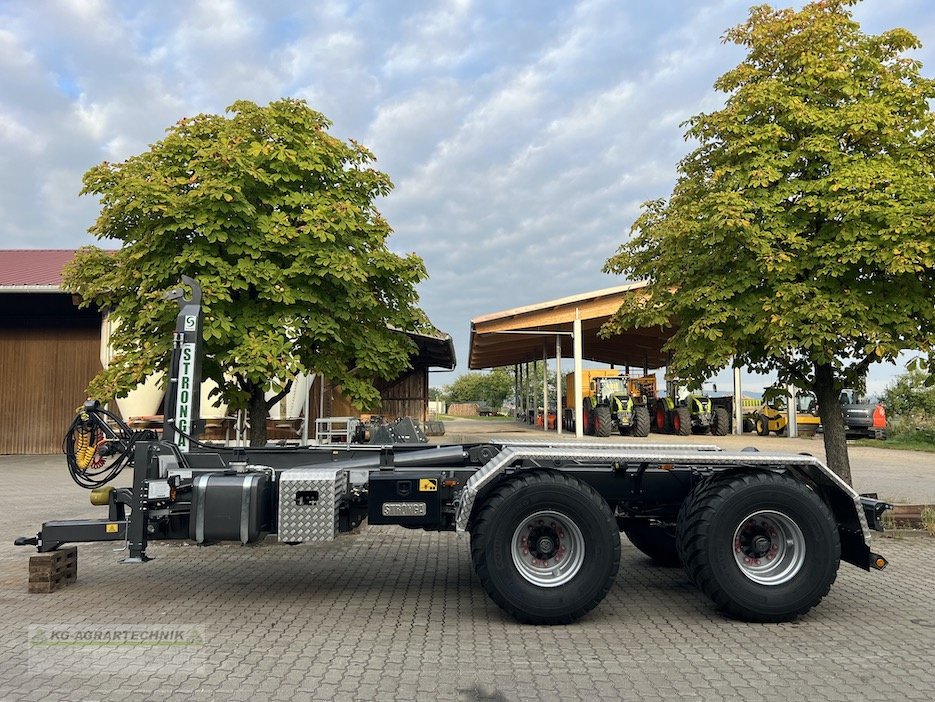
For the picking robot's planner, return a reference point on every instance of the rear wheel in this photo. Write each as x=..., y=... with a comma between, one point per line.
x=762, y=546
x=587, y=416
x=657, y=542
x=640, y=421
x=546, y=547
x=682, y=421
x=721, y=424
x=602, y=421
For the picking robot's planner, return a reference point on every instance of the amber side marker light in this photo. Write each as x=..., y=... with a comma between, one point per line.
x=879, y=562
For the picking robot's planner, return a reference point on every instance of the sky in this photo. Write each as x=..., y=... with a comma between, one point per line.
x=521, y=136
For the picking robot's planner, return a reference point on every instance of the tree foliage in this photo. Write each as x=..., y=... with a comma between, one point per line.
x=493, y=388
x=909, y=394
x=277, y=220
x=799, y=235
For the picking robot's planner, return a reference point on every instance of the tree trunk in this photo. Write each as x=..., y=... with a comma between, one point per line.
x=828, y=393
x=256, y=415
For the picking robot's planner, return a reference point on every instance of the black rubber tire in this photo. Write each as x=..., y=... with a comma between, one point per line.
x=748, y=426
x=708, y=520
x=641, y=421
x=721, y=424
x=762, y=425
x=661, y=418
x=602, y=421
x=587, y=416
x=682, y=421
x=657, y=542
x=497, y=520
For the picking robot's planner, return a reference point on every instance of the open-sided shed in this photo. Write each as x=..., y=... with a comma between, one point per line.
x=569, y=327
x=519, y=335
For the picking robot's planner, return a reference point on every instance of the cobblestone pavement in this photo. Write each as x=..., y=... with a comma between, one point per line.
x=393, y=614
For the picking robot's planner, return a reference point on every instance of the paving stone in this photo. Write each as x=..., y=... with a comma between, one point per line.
x=395, y=614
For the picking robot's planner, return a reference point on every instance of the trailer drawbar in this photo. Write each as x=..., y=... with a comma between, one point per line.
x=761, y=535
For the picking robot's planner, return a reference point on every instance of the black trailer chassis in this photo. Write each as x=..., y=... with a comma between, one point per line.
x=760, y=534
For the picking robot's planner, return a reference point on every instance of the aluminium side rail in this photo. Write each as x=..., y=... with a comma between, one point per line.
x=652, y=453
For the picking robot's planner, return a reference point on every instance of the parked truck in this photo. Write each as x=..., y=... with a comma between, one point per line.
x=862, y=418
x=761, y=535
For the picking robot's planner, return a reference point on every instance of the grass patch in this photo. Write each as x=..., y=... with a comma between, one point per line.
x=476, y=418
x=928, y=520
x=900, y=443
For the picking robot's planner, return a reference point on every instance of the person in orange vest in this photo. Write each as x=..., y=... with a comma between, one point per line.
x=879, y=417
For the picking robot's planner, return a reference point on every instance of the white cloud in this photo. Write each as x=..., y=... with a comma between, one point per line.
x=521, y=136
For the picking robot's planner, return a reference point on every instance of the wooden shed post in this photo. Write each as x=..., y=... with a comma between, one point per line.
x=517, y=384
x=558, y=384
x=738, y=403
x=579, y=395
x=545, y=387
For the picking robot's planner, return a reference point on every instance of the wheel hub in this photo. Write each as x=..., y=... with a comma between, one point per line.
x=548, y=549
x=769, y=547
x=545, y=547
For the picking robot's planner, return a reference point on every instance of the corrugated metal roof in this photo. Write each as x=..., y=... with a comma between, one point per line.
x=33, y=267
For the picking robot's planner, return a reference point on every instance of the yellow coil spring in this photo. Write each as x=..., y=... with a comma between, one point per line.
x=84, y=452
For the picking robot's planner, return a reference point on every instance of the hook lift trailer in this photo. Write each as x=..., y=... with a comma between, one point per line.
x=761, y=535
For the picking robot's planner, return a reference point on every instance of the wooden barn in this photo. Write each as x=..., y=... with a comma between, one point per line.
x=50, y=350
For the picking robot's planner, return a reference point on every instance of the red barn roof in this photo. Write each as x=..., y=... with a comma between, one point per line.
x=30, y=268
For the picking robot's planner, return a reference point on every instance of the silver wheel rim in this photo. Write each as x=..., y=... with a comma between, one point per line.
x=547, y=548
x=769, y=547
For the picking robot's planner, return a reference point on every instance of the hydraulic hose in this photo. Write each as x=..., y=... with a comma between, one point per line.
x=98, y=445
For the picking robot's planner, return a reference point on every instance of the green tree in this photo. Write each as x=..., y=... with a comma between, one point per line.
x=908, y=394
x=276, y=220
x=799, y=235
x=493, y=387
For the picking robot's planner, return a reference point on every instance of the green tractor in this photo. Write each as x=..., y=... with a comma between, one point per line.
x=612, y=403
x=682, y=412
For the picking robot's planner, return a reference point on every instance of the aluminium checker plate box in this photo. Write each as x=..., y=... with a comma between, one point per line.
x=309, y=500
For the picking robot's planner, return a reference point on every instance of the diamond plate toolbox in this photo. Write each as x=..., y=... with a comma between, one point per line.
x=308, y=503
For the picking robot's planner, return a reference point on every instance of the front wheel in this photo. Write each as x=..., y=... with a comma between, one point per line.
x=602, y=421
x=640, y=421
x=545, y=547
x=682, y=421
x=762, y=425
x=762, y=546
x=721, y=424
